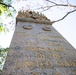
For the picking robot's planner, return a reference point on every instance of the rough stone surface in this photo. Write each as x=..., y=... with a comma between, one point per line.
x=32, y=14
x=39, y=52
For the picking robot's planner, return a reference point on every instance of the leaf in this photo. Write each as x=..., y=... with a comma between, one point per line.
x=3, y=8
x=1, y=28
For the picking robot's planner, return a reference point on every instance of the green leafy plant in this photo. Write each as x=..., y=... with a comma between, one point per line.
x=3, y=54
x=3, y=8
x=6, y=12
x=2, y=28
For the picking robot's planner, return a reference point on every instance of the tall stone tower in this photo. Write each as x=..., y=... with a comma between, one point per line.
x=38, y=49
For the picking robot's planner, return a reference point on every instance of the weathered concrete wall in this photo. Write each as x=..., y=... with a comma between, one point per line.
x=30, y=20
x=38, y=49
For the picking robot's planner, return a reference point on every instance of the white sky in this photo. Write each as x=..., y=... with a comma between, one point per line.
x=66, y=27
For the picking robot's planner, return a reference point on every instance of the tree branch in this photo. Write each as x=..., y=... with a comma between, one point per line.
x=56, y=4
x=64, y=16
x=6, y=5
x=51, y=2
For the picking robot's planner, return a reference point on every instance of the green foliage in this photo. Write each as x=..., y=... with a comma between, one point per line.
x=7, y=17
x=3, y=8
x=7, y=2
x=5, y=13
x=1, y=0
x=2, y=28
x=0, y=72
x=3, y=54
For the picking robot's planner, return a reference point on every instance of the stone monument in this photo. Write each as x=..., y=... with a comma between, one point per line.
x=38, y=49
